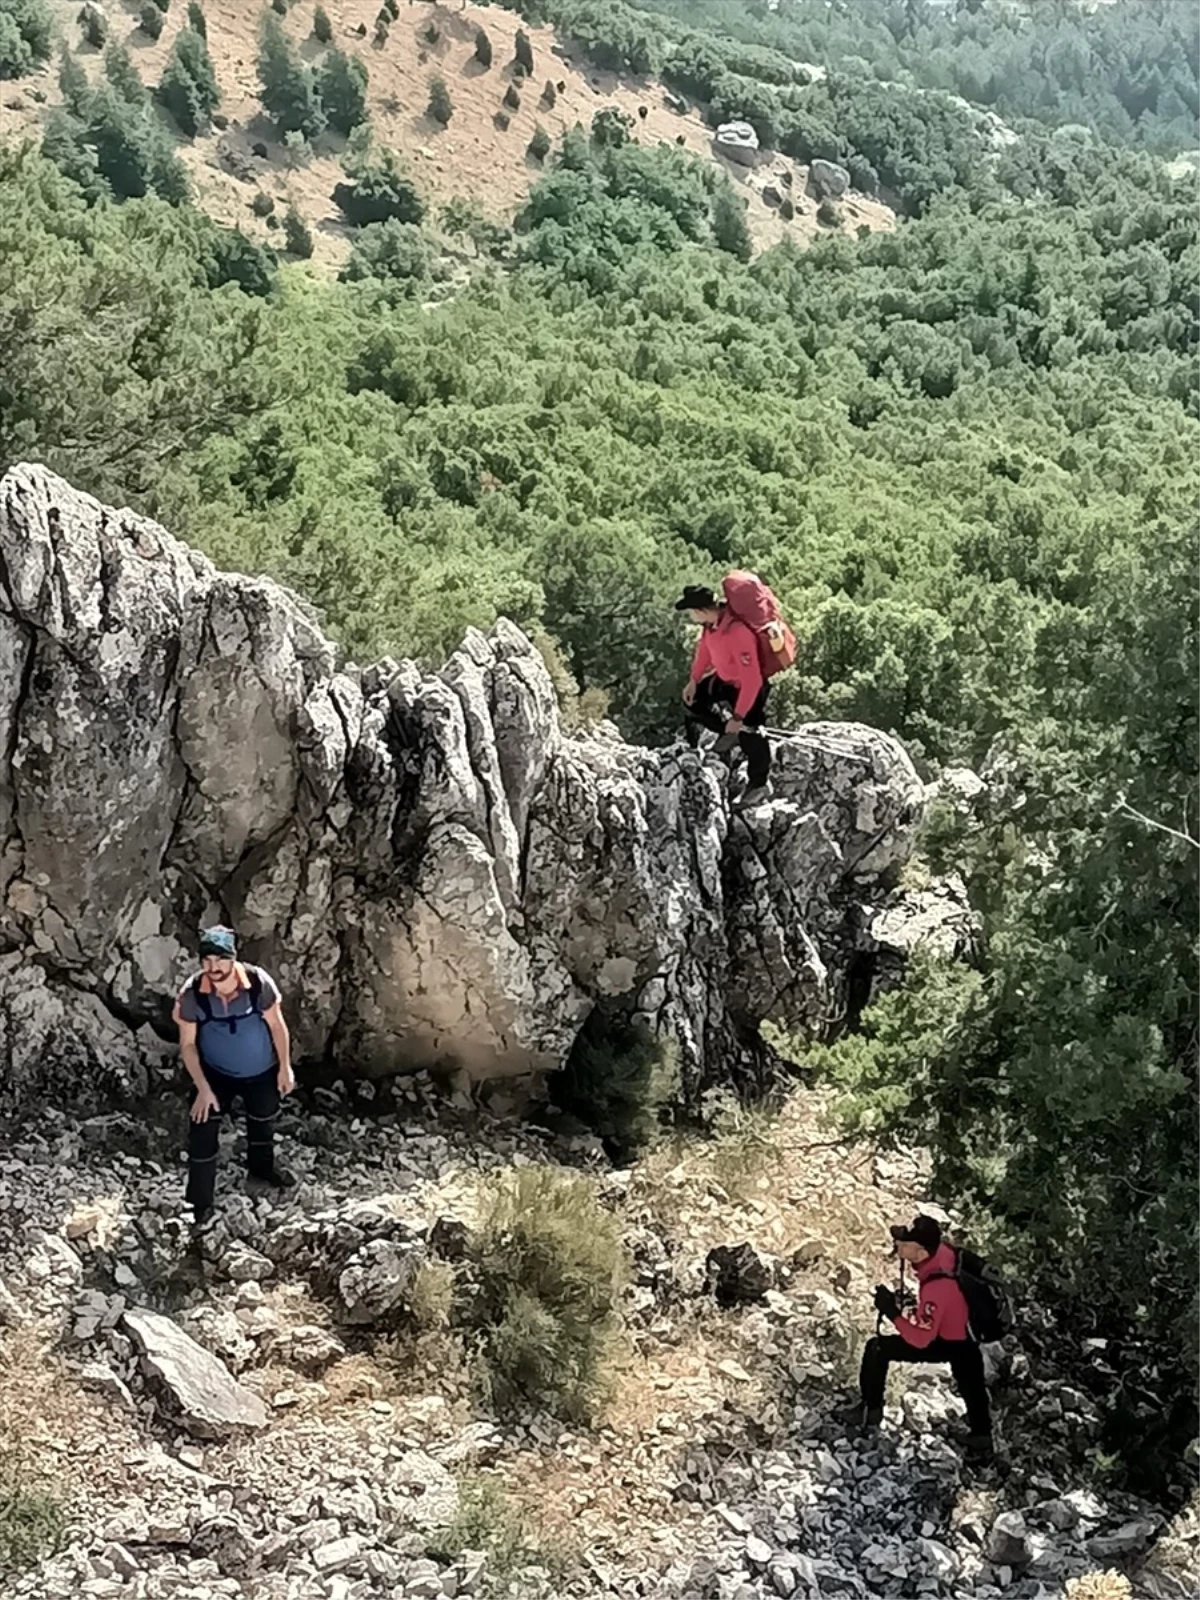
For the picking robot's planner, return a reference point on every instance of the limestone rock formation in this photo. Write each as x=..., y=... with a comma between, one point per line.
x=738, y=141
x=829, y=179
x=436, y=875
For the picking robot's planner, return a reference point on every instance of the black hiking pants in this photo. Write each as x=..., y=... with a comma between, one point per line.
x=260, y=1100
x=712, y=692
x=963, y=1356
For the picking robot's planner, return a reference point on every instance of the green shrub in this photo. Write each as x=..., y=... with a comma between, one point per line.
x=94, y=26
x=523, y=51
x=617, y=1078
x=279, y=7
x=512, y=97
x=197, y=21
x=262, y=205
x=539, y=145
x=150, y=20
x=787, y=209
x=123, y=75
x=502, y=121
x=828, y=214
x=488, y=1521
x=549, y=95
x=73, y=85
x=394, y=251
x=32, y=1524
x=440, y=107
x=483, y=48
x=378, y=189
x=296, y=235
x=322, y=27
x=25, y=32
x=392, y=7
x=549, y=1266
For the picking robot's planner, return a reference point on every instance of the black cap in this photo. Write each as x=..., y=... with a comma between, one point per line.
x=697, y=597
x=922, y=1230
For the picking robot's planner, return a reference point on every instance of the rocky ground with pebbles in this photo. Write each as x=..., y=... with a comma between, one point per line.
x=273, y=1411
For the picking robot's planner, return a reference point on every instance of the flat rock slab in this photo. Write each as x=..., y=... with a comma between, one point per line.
x=204, y=1395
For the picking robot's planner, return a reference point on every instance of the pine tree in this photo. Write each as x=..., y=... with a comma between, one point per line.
x=523, y=50
x=441, y=107
x=94, y=25
x=342, y=86
x=189, y=85
x=197, y=20
x=296, y=235
x=289, y=92
x=730, y=229
x=323, y=33
x=123, y=75
x=150, y=20
x=483, y=48
x=73, y=82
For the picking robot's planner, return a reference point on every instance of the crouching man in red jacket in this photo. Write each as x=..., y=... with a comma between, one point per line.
x=726, y=669
x=936, y=1329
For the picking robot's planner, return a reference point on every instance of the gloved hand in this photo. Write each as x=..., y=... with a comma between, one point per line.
x=886, y=1302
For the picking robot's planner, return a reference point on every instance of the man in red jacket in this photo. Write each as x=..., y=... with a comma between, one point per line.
x=936, y=1329
x=726, y=670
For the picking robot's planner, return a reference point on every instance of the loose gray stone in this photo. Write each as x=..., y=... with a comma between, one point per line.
x=200, y=1390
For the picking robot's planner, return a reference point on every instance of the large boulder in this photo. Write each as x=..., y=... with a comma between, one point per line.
x=195, y=1387
x=436, y=875
x=739, y=142
x=828, y=179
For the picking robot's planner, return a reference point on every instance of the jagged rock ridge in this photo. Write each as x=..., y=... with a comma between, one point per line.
x=435, y=874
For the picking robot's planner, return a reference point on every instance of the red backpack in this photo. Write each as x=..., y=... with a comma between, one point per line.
x=753, y=603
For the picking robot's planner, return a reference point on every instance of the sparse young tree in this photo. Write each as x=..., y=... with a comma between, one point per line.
x=322, y=31
x=441, y=107
x=523, y=50
x=197, y=21
x=512, y=97
x=483, y=48
x=539, y=145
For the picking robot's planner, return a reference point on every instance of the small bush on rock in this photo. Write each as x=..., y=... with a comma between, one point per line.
x=31, y=1519
x=548, y=1265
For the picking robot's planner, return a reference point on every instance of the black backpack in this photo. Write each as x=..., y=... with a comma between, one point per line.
x=204, y=1000
x=989, y=1309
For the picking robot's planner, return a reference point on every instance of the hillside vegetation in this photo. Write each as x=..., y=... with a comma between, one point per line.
x=964, y=453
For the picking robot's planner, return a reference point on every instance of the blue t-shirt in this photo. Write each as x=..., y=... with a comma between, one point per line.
x=236, y=1041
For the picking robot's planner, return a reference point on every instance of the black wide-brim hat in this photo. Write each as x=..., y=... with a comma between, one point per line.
x=697, y=597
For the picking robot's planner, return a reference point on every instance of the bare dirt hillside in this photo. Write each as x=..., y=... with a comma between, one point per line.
x=473, y=157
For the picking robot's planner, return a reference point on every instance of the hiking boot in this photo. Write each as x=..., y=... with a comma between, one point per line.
x=201, y=1217
x=979, y=1449
x=861, y=1419
x=278, y=1178
x=757, y=795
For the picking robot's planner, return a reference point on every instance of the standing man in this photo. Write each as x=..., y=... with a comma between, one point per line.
x=936, y=1329
x=726, y=668
x=234, y=1041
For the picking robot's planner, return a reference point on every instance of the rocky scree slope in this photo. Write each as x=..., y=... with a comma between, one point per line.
x=436, y=875
x=252, y=1416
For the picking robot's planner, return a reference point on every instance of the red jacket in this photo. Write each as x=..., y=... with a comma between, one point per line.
x=941, y=1308
x=729, y=650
